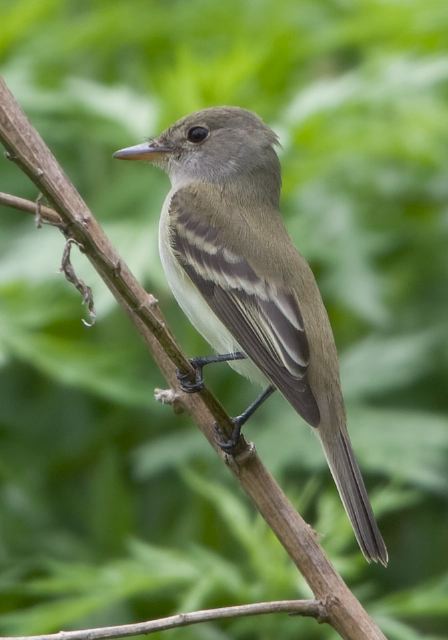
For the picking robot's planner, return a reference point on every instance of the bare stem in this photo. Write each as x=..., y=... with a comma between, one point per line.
x=48, y=215
x=27, y=149
x=310, y=608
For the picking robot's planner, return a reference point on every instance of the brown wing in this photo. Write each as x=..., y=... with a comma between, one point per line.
x=263, y=317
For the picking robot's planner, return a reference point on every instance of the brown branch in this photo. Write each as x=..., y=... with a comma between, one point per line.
x=309, y=608
x=36, y=208
x=27, y=149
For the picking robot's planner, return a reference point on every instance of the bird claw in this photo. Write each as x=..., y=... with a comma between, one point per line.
x=226, y=443
x=186, y=383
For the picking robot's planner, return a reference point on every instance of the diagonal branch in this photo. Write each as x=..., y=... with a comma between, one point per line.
x=309, y=608
x=27, y=149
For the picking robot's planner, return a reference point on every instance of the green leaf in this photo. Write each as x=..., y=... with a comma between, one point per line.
x=170, y=451
x=384, y=363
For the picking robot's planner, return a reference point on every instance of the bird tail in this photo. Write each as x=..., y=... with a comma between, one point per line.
x=349, y=482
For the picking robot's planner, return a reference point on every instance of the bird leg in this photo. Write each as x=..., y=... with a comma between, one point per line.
x=193, y=386
x=229, y=444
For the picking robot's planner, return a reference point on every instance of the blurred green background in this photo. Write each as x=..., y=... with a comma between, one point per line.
x=113, y=509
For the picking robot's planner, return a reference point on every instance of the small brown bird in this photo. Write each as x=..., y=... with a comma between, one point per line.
x=238, y=277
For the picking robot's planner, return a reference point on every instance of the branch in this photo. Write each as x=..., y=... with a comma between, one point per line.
x=27, y=149
x=310, y=608
x=48, y=215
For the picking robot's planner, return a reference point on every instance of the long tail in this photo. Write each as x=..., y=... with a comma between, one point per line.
x=348, y=479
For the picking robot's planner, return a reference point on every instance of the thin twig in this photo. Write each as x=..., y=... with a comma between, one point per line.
x=309, y=608
x=345, y=613
x=47, y=215
x=38, y=216
x=70, y=275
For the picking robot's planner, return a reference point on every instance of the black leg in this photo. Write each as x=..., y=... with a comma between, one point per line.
x=193, y=386
x=229, y=445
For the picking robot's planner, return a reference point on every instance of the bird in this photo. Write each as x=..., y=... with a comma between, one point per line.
x=237, y=276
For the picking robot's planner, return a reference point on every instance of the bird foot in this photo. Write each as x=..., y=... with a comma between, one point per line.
x=186, y=383
x=226, y=443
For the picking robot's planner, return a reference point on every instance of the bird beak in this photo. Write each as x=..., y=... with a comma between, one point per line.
x=149, y=151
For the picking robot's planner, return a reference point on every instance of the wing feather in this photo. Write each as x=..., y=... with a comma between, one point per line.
x=264, y=318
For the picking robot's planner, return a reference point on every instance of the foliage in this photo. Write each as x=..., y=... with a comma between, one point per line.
x=112, y=508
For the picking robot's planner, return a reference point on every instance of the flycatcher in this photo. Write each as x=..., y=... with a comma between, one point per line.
x=237, y=276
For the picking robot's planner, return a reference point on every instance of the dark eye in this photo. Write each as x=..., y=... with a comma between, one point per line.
x=197, y=134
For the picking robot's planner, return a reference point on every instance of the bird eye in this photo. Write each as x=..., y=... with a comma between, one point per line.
x=197, y=134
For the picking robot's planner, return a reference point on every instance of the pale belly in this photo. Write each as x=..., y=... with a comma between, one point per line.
x=196, y=309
